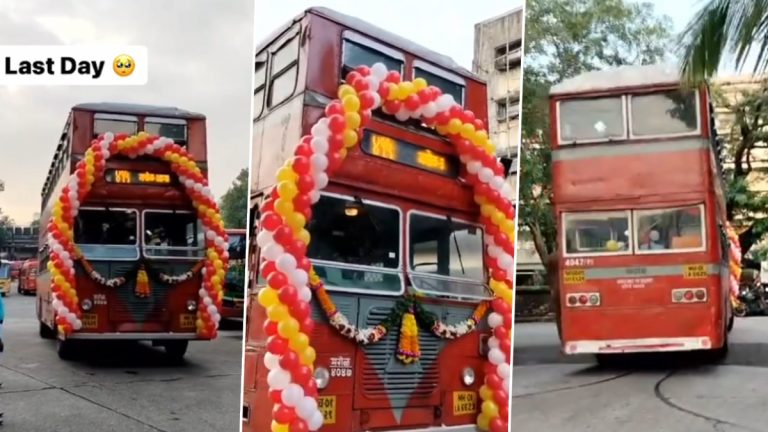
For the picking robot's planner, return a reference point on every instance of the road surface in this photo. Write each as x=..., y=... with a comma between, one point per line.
x=118, y=387
x=675, y=393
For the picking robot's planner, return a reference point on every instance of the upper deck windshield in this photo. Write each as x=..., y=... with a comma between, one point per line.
x=175, y=129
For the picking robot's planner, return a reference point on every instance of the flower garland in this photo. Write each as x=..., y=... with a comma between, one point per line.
x=96, y=276
x=283, y=238
x=734, y=262
x=61, y=235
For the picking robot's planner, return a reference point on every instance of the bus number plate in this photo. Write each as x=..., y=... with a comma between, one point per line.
x=90, y=321
x=464, y=403
x=696, y=271
x=327, y=406
x=187, y=320
x=574, y=276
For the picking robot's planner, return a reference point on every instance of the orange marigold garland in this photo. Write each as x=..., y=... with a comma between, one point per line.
x=64, y=252
x=283, y=238
x=408, y=349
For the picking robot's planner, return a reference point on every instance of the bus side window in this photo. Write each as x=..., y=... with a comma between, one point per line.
x=284, y=71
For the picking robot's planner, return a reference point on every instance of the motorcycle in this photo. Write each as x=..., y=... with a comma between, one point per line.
x=752, y=299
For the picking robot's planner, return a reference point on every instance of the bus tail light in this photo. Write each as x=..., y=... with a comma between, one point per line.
x=583, y=299
x=689, y=295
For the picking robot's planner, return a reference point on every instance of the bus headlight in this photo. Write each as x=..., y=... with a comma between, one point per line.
x=191, y=305
x=86, y=304
x=322, y=377
x=468, y=376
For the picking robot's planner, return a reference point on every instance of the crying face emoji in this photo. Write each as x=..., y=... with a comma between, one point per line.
x=123, y=65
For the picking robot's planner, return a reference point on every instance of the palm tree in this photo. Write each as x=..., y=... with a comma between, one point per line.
x=720, y=29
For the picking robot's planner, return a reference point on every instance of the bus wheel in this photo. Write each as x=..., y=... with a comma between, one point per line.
x=730, y=323
x=45, y=331
x=175, y=350
x=65, y=348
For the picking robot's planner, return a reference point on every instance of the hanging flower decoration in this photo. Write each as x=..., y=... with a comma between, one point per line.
x=283, y=238
x=98, y=278
x=734, y=261
x=64, y=251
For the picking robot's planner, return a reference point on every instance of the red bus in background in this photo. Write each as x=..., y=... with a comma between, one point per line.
x=16, y=269
x=137, y=216
x=396, y=219
x=234, y=287
x=640, y=205
x=28, y=277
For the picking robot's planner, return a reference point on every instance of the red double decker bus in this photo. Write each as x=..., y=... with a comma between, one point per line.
x=640, y=205
x=137, y=220
x=396, y=220
x=28, y=277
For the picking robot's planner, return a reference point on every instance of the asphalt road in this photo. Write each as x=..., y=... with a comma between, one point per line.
x=669, y=393
x=115, y=387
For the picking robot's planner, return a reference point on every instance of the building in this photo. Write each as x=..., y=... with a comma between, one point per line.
x=498, y=60
x=19, y=243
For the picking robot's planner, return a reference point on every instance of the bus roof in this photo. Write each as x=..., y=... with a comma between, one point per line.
x=375, y=32
x=138, y=109
x=621, y=77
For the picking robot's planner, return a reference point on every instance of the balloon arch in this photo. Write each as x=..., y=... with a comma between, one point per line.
x=283, y=240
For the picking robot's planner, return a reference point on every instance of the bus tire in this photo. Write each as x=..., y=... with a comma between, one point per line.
x=731, y=320
x=176, y=349
x=66, y=349
x=45, y=331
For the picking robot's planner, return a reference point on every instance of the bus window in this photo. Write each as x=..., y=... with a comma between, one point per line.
x=284, y=71
x=446, y=257
x=356, y=54
x=175, y=129
x=107, y=234
x=169, y=234
x=103, y=123
x=599, y=119
x=674, y=112
x=259, y=85
x=596, y=233
x=356, y=246
x=670, y=230
x=448, y=86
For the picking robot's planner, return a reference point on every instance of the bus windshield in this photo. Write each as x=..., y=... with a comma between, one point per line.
x=172, y=234
x=5, y=271
x=107, y=233
x=355, y=245
x=445, y=256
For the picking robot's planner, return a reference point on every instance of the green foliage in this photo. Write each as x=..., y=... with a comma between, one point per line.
x=565, y=38
x=234, y=203
x=5, y=223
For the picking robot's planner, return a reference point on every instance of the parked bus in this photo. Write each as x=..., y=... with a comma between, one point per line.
x=28, y=277
x=16, y=269
x=641, y=216
x=232, y=302
x=5, y=277
x=137, y=217
x=390, y=224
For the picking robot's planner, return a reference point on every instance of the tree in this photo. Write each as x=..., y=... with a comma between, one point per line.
x=722, y=27
x=5, y=223
x=565, y=38
x=234, y=203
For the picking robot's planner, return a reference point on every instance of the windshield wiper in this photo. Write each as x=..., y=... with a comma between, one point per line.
x=456, y=242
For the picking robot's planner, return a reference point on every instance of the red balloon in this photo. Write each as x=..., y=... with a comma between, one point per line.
x=500, y=397
x=436, y=92
x=456, y=112
x=277, y=345
x=505, y=346
x=304, y=263
x=297, y=248
x=283, y=235
x=499, y=274
x=310, y=389
x=301, y=374
x=366, y=100
x=501, y=333
x=479, y=125
x=501, y=239
x=363, y=70
x=288, y=296
x=498, y=425
x=360, y=85
x=307, y=212
x=289, y=360
x=393, y=77
x=384, y=90
x=337, y=124
x=270, y=327
x=442, y=118
x=334, y=108
x=283, y=414
x=353, y=76
x=412, y=102
x=500, y=306
x=488, y=370
x=392, y=106
x=462, y=145
x=336, y=142
x=304, y=150
x=425, y=96
x=298, y=425
x=365, y=117
x=305, y=184
x=277, y=280
x=274, y=194
x=307, y=325
x=276, y=396
x=301, y=165
x=302, y=200
x=334, y=161
x=270, y=221
x=467, y=117
x=508, y=320
x=301, y=310
x=267, y=268
x=494, y=381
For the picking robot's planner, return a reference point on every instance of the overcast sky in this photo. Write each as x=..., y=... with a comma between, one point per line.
x=200, y=60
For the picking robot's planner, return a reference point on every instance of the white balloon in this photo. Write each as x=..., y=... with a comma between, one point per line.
x=278, y=379
x=379, y=71
x=376, y=99
x=216, y=318
x=305, y=294
x=429, y=110
x=321, y=181
x=271, y=361
x=505, y=260
x=474, y=166
x=212, y=310
x=497, y=182
x=485, y=174
x=320, y=130
x=503, y=370
x=292, y=395
x=211, y=234
x=71, y=317
x=464, y=159
x=444, y=102
x=202, y=292
x=272, y=251
x=508, y=191
x=299, y=278
x=495, y=356
x=306, y=408
x=207, y=301
x=494, y=251
x=314, y=196
x=286, y=263
x=373, y=83
x=494, y=320
x=319, y=145
x=493, y=342
x=319, y=162
x=77, y=324
x=317, y=421
x=402, y=115
x=507, y=384
x=264, y=238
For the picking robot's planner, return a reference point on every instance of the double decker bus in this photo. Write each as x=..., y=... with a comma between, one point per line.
x=137, y=216
x=28, y=277
x=641, y=216
x=396, y=220
x=234, y=287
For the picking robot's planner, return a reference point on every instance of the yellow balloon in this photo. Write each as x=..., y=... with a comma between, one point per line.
x=268, y=297
x=508, y=227
x=485, y=392
x=218, y=264
x=405, y=89
x=497, y=217
x=353, y=120
x=483, y=422
x=419, y=84
x=350, y=138
x=296, y=221
x=343, y=153
x=479, y=200
x=351, y=103
x=304, y=236
x=279, y=427
x=288, y=328
x=286, y=174
x=283, y=207
x=346, y=90
x=467, y=130
x=487, y=210
x=287, y=190
x=454, y=126
x=299, y=342
x=490, y=409
x=308, y=356
x=441, y=129
x=278, y=312
x=393, y=92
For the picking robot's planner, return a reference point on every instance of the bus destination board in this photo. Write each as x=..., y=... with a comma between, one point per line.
x=409, y=154
x=121, y=176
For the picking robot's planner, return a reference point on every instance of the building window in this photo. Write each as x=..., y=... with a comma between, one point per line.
x=509, y=55
x=284, y=72
x=507, y=109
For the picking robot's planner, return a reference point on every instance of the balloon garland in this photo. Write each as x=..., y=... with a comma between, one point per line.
x=283, y=238
x=734, y=261
x=64, y=251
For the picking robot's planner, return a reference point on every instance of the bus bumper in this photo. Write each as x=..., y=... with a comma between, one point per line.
x=618, y=346
x=133, y=336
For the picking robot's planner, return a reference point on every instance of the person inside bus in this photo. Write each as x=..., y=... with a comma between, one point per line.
x=650, y=241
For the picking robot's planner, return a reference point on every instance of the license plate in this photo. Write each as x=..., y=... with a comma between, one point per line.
x=327, y=406
x=574, y=276
x=187, y=320
x=90, y=321
x=696, y=271
x=464, y=403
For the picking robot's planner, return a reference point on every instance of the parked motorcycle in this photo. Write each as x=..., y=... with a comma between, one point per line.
x=752, y=299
